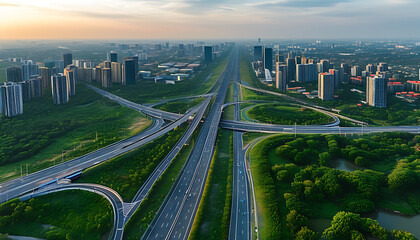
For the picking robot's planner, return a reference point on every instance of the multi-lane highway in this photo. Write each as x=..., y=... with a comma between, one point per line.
x=19, y=186
x=240, y=226
x=176, y=215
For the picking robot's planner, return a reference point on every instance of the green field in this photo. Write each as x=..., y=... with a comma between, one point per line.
x=69, y=214
x=180, y=106
x=141, y=219
x=37, y=138
x=294, y=184
x=285, y=115
x=213, y=215
x=127, y=173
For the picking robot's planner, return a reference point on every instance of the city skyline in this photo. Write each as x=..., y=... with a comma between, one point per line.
x=182, y=19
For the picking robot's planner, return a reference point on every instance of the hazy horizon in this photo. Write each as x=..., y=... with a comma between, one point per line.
x=219, y=19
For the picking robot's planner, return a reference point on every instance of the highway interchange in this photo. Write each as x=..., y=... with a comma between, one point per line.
x=176, y=215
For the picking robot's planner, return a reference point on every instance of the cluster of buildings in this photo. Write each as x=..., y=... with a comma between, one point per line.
x=292, y=68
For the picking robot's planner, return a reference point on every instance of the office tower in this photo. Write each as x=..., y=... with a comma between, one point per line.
x=26, y=90
x=306, y=72
x=291, y=69
x=208, y=53
x=46, y=77
x=268, y=59
x=382, y=67
x=337, y=77
x=346, y=68
x=376, y=91
x=281, y=77
x=59, y=90
x=49, y=63
x=158, y=47
x=279, y=58
x=128, y=72
x=356, y=71
x=136, y=64
x=29, y=69
x=303, y=60
x=14, y=74
x=107, y=64
x=116, y=72
x=326, y=86
x=67, y=59
x=323, y=66
x=70, y=73
x=370, y=68
x=258, y=53
x=298, y=60
x=106, y=78
x=11, y=101
x=112, y=57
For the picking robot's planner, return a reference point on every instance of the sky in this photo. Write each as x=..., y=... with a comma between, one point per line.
x=209, y=19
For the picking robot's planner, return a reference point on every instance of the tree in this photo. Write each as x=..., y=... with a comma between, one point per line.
x=295, y=221
x=306, y=234
x=324, y=158
x=402, y=235
x=361, y=161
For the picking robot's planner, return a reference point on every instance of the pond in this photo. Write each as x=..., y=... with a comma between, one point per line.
x=343, y=164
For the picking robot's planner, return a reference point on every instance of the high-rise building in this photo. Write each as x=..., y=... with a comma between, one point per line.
x=337, y=77
x=324, y=66
x=67, y=59
x=356, y=71
x=106, y=78
x=46, y=77
x=116, y=72
x=281, y=77
x=128, y=72
x=291, y=69
x=346, y=68
x=370, y=68
x=268, y=59
x=36, y=87
x=258, y=53
x=97, y=75
x=59, y=90
x=208, y=53
x=11, y=101
x=112, y=57
x=326, y=86
x=298, y=60
x=14, y=74
x=376, y=87
x=26, y=90
x=382, y=67
x=70, y=73
x=306, y=72
x=136, y=64
x=29, y=69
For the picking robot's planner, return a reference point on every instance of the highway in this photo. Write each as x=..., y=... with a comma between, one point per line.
x=240, y=218
x=176, y=215
x=112, y=196
x=19, y=186
x=164, y=164
x=141, y=108
x=312, y=129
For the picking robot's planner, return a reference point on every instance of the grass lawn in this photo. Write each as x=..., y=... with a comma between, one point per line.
x=251, y=136
x=127, y=173
x=141, y=219
x=38, y=137
x=213, y=216
x=180, y=106
x=72, y=214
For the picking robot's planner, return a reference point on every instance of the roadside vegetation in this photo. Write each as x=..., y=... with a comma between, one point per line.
x=213, y=215
x=295, y=184
x=38, y=137
x=180, y=107
x=127, y=173
x=72, y=214
x=144, y=215
x=287, y=115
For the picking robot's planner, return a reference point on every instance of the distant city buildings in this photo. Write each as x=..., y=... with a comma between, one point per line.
x=326, y=86
x=306, y=72
x=268, y=59
x=112, y=57
x=14, y=74
x=70, y=73
x=129, y=72
x=281, y=77
x=59, y=89
x=106, y=78
x=376, y=87
x=11, y=99
x=208, y=53
x=67, y=59
x=258, y=53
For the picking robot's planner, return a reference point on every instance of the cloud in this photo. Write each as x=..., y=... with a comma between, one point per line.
x=298, y=3
x=2, y=4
